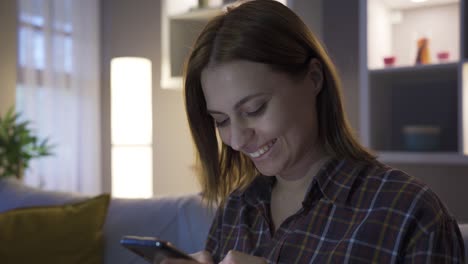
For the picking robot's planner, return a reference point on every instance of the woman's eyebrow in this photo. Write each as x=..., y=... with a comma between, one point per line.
x=240, y=103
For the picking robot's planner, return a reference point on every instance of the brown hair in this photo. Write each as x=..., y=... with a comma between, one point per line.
x=262, y=31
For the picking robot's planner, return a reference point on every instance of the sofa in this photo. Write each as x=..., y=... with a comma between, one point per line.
x=182, y=220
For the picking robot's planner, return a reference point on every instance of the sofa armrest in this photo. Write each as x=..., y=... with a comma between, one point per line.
x=194, y=221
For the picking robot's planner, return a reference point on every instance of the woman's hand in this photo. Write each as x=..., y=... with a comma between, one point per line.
x=202, y=257
x=236, y=257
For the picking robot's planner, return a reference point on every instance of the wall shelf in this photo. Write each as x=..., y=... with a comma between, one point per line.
x=445, y=158
x=181, y=22
x=197, y=14
x=416, y=68
x=394, y=30
x=409, y=94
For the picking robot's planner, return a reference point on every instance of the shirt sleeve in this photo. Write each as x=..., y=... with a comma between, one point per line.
x=442, y=243
x=213, y=241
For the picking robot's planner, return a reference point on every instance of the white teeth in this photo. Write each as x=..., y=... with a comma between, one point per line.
x=262, y=150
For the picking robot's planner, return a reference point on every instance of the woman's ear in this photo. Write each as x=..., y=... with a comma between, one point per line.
x=315, y=73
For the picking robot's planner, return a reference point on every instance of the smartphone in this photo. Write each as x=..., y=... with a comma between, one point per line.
x=152, y=249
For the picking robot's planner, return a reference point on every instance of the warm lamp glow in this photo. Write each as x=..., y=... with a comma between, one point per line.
x=132, y=172
x=131, y=101
x=131, y=127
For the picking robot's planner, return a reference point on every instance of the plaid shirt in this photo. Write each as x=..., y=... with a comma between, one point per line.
x=352, y=213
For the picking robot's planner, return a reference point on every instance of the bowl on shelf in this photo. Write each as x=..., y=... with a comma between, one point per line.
x=389, y=61
x=443, y=56
x=421, y=137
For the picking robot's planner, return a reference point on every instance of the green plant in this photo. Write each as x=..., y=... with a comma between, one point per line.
x=18, y=145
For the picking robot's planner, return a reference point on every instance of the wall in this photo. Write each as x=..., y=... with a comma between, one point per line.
x=8, y=52
x=380, y=28
x=132, y=28
x=310, y=11
x=341, y=35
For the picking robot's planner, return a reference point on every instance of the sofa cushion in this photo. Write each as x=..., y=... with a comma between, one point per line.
x=54, y=234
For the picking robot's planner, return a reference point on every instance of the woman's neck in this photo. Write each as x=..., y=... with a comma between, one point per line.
x=287, y=195
x=300, y=183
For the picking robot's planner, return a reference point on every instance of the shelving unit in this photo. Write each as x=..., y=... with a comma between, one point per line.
x=445, y=158
x=414, y=95
x=184, y=28
x=181, y=22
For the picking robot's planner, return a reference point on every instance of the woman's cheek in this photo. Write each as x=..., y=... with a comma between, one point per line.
x=225, y=136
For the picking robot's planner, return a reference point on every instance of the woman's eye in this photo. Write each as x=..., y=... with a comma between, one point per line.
x=221, y=123
x=257, y=111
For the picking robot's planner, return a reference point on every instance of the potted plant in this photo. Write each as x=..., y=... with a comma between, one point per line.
x=18, y=145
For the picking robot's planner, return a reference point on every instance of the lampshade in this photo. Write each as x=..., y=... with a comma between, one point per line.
x=131, y=101
x=131, y=127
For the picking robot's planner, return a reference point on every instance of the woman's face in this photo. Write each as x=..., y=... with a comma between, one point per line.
x=266, y=115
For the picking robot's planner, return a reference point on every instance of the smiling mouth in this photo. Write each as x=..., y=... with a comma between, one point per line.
x=260, y=152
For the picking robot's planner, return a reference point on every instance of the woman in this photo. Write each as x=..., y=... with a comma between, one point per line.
x=294, y=183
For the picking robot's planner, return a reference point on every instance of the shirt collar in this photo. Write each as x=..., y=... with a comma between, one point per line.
x=335, y=180
x=259, y=191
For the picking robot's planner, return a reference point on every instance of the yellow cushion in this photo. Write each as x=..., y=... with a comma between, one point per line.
x=69, y=233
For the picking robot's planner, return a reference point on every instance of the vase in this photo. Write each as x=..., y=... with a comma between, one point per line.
x=423, y=56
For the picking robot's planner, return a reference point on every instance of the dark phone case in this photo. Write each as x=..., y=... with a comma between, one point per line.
x=152, y=249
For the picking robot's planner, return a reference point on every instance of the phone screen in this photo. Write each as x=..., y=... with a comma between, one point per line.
x=152, y=249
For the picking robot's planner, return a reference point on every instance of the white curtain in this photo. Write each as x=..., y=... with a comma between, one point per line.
x=59, y=90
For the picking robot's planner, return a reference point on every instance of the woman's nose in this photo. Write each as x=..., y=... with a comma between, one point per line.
x=240, y=135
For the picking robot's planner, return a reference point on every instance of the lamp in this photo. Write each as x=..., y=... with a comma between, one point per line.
x=131, y=127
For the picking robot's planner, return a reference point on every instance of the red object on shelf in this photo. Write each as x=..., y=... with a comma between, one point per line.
x=389, y=61
x=443, y=55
